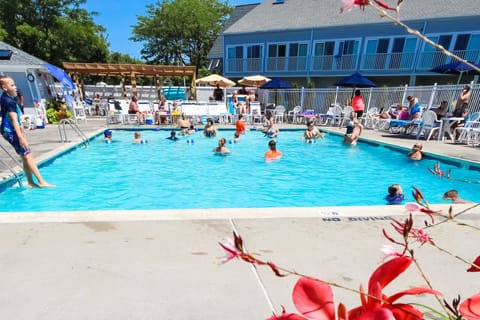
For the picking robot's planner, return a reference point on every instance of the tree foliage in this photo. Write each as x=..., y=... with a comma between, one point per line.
x=180, y=32
x=53, y=30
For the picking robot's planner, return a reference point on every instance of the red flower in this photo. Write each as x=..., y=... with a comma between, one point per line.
x=230, y=250
x=314, y=299
x=378, y=304
x=286, y=316
x=407, y=230
x=234, y=249
x=470, y=308
x=349, y=4
x=476, y=266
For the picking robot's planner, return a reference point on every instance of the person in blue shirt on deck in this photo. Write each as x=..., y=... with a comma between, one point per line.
x=414, y=107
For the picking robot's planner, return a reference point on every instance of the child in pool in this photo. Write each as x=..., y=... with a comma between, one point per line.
x=395, y=194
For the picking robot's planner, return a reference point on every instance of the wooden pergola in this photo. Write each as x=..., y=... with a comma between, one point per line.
x=77, y=70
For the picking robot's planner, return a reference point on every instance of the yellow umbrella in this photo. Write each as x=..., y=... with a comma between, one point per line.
x=254, y=81
x=215, y=79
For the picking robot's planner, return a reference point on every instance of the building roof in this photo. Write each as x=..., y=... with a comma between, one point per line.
x=237, y=14
x=273, y=15
x=19, y=58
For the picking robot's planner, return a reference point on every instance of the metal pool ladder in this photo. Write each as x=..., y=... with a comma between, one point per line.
x=62, y=124
x=9, y=167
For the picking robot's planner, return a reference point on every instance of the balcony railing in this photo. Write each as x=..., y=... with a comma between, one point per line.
x=331, y=63
x=404, y=61
x=429, y=60
x=388, y=61
x=244, y=65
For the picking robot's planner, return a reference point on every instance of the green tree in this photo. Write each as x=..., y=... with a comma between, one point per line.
x=180, y=32
x=53, y=30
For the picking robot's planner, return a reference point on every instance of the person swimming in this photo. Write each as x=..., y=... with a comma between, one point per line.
x=273, y=153
x=221, y=149
x=395, y=194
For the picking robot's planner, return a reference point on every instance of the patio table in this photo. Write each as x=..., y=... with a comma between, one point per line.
x=446, y=125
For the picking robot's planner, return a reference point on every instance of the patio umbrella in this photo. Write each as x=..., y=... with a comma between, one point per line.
x=254, y=81
x=215, y=79
x=60, y=75
x=355, y=80
x=458, y=67
x=276, y=83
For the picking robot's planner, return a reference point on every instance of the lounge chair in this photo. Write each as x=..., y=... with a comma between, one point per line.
x=333, y=115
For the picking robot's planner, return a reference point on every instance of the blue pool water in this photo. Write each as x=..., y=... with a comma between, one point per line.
x=171, y=175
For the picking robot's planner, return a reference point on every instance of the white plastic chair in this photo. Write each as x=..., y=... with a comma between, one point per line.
x=255, y=112
x=278, y=113
x=346, y=112
x=465, y=132
x=429, y=122
x=79, y=112
x=294, y=113
x=368, y=118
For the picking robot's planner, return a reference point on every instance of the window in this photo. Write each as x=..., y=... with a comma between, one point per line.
x=323, y=55
x=347, y=52
x=235, y=59
x=402, y=55
x=377, y=52
x=254, y=58
x=277, y=54
x=297, y=60
x=467, y=46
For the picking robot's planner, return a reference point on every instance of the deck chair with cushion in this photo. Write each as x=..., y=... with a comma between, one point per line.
x=333, y=115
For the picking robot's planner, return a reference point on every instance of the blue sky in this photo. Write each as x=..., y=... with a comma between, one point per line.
x=118, y=19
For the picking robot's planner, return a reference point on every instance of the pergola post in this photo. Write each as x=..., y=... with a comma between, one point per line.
x=124, y=88
x=133, y=80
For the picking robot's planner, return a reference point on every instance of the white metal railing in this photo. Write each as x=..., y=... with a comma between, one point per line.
x=319, y=99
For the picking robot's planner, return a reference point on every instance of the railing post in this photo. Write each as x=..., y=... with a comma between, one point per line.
x=432, y=95
x=404, y=94
x=301, y=97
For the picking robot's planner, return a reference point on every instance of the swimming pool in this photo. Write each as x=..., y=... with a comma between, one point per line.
x=178, y=175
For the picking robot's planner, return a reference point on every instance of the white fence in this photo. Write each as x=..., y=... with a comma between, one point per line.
x=320, y=99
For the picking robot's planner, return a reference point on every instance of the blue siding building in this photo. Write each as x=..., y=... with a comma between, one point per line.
x=310, y=41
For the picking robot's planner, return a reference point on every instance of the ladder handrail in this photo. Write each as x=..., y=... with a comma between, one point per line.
x=9, y=167
x=63, y=137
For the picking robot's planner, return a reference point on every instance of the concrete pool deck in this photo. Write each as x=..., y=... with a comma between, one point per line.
x=165, y=264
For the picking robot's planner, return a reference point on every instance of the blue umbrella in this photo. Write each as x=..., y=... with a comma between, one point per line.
x=458, y=67
x=276, y=83
x=60, y=75
x=355, y=80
